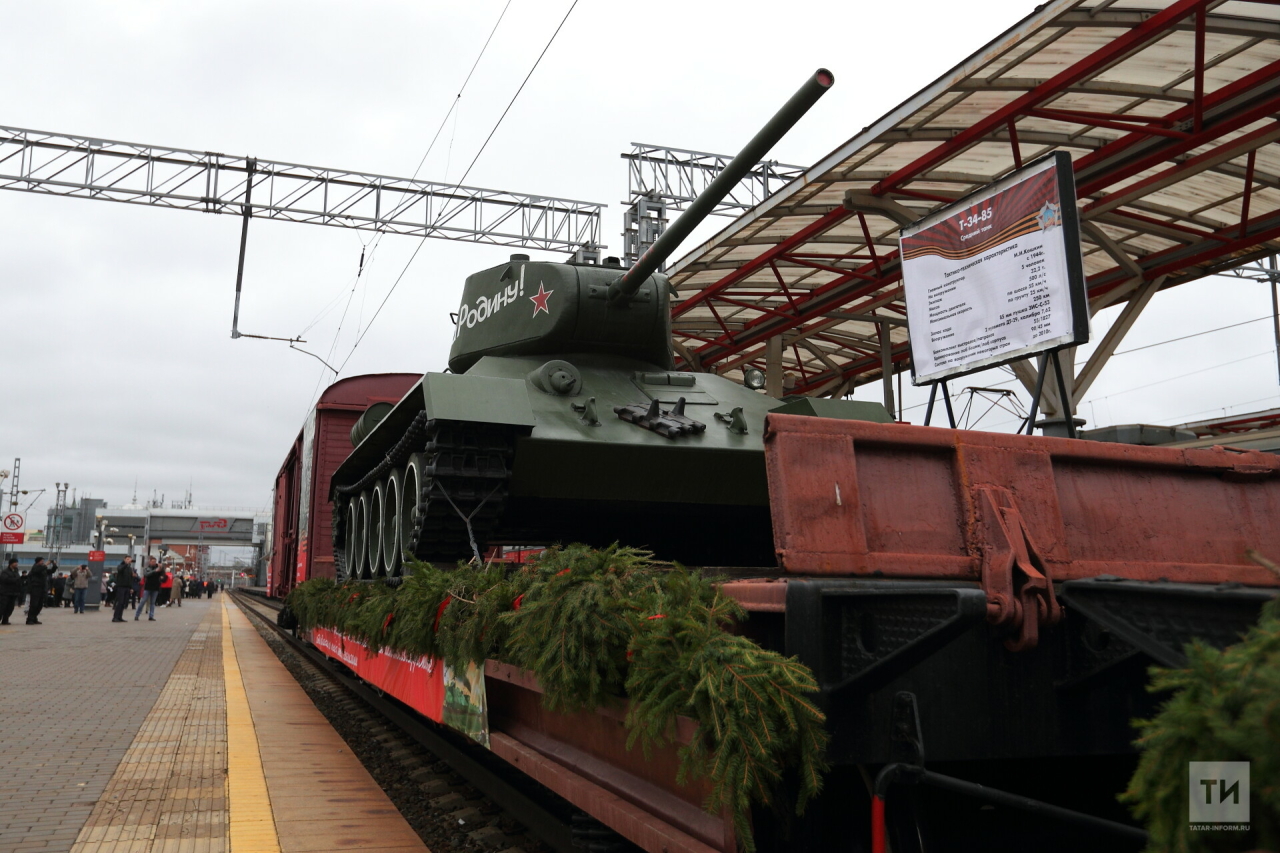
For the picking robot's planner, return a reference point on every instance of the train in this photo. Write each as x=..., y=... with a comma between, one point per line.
x=980, y=610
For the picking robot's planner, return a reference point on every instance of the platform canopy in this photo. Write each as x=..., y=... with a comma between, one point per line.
x=1169, y=112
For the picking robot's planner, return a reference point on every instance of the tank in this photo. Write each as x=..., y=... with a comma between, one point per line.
x=561, y=418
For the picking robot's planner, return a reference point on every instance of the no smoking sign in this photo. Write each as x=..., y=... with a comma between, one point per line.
x=13, y=529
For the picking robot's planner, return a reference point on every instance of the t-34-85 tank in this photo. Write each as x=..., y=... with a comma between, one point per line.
x=561, y=418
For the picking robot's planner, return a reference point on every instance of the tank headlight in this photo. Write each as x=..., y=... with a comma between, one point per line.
x=753, y=378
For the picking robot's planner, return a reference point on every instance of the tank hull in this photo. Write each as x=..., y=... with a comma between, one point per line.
x=499, y=455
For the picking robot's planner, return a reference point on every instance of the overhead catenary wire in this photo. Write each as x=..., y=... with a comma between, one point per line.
x=1172, y=379
x=373, y=244
x=1150, y=346
x=372, y=247
x=1192, y=335
x=474, y=160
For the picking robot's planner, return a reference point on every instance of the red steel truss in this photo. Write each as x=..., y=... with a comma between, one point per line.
x=1172, y=125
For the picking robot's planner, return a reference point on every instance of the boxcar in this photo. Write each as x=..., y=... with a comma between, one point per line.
x=301, y=536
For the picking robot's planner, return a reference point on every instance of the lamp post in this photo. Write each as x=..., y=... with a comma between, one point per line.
x=97, y=568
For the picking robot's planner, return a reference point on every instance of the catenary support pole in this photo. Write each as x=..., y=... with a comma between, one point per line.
x=244, y=239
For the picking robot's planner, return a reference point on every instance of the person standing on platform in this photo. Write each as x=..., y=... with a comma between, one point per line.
x=179, y=587
x=125, y=577
x=10, y=588
x=164, y=596
x=55, y=591
x=150, y=591
x=37, y=589
x=79, y=584
x=68, y=589
x=209, y=588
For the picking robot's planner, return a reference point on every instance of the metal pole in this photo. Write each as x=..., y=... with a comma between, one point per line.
x=1068, y=410
x=1275, y=306
x=244, y=239
x=910, y=774
x=1035, y=398
x=886, y=369
x=13, y=500
x=933, y=394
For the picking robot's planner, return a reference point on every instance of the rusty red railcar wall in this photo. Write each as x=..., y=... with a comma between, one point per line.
x=856, y=498
x=300, y=551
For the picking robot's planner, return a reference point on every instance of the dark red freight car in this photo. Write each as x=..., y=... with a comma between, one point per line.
x=301, y=536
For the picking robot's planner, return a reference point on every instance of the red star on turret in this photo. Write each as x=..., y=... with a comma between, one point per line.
x=540, y=300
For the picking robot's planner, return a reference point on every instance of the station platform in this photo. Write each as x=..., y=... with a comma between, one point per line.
x=183, y=735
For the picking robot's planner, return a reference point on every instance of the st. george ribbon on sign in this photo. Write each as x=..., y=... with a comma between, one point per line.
x=997, y=276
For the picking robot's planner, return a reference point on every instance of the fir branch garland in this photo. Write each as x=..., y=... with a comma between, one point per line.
x=595, y=625
x=1225, y=707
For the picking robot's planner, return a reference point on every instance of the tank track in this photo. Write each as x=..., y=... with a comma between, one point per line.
x=467, y=463
x=467, y=471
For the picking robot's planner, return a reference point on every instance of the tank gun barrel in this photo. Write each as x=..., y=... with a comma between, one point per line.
x=814, y=88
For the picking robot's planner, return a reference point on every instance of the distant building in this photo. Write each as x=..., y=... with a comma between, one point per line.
x=77, y=522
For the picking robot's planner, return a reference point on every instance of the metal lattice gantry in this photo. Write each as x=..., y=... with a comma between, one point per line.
x=1169, y=109
x=678, y=176
x=83, y=167
x=661, y=179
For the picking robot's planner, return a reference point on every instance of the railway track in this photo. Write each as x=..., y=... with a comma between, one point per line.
x=454, y=793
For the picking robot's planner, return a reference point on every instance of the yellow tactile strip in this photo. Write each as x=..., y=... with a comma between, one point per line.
x=168, y=795
x=291, y=784
x=323, y=799
x=252, y=825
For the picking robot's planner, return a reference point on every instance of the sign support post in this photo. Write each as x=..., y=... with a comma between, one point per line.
x=1068, y=412
x=946, y=399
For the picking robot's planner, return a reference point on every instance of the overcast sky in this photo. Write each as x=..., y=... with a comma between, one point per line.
x=117, y=361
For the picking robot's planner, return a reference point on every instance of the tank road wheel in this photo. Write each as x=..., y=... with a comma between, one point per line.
x=374, y=541
x=463, y=476
x=410, y=498
x=391, y=523
x=360, y=568
x=344, y=522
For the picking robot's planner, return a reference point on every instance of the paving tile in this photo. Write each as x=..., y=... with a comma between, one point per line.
x=76, y=691
x=133, y=757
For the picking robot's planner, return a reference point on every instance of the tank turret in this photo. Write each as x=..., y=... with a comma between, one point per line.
x=562, y=419
x=525, y=308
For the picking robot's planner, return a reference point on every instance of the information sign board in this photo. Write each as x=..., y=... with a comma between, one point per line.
x=13, y=529
x=997, y=276
x=97, y=556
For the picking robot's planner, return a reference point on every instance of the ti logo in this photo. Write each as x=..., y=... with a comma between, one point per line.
x=1219, y=792
x=540, y=300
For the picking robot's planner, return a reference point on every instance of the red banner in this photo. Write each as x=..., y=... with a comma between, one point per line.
x=417, y=682
x=97, y=556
